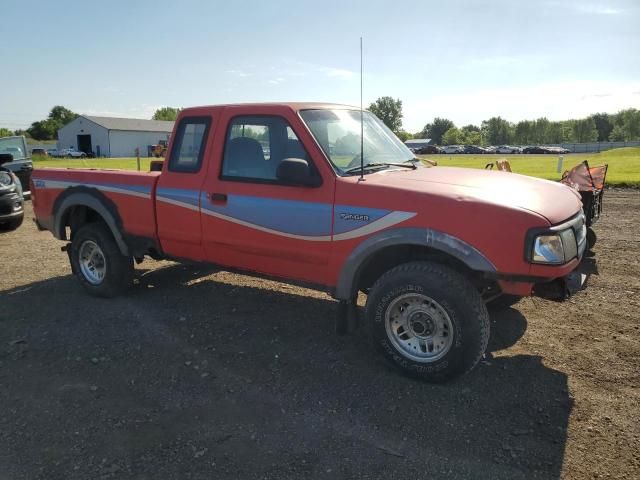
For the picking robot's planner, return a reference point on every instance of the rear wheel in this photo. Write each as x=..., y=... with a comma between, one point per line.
x=429, y=320
x=97, y=262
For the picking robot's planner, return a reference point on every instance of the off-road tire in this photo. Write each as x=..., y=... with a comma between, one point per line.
x=119, y=268
x=12, y=224
x=503, y=302
x=458, y=298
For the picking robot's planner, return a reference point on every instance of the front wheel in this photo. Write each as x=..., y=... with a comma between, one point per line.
x=429, y=320
x=97, y=262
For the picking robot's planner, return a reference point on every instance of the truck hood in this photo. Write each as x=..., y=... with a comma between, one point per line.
x=552, y=200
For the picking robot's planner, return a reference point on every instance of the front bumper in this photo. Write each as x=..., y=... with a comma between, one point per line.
x=11, y=206
x=561, y=288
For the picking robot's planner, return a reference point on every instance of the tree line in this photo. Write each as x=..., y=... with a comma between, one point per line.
x=599, y=127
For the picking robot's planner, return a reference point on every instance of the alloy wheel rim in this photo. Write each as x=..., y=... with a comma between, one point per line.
x=419, y=327
x=92, y=262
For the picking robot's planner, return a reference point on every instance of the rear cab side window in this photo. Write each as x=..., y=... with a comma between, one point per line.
x=189, y=144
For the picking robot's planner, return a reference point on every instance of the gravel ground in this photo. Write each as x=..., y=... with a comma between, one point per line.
x=199, y=373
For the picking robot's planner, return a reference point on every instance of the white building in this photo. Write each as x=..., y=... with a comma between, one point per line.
x=113, y=137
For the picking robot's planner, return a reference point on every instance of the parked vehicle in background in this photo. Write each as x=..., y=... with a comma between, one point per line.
x=39, y=151
x=507, y=149
x=11, y=199
x=534, y=149
x=490, y=149
x=556, y=150
x=452, y=149
x=16, y=159
x=52, y=152
x=475, y=149
x=426, y=150
x=427, y=261
x=71, y=153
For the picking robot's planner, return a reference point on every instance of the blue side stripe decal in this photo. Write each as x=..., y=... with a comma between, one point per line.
x=287, y=216
x=191, y=197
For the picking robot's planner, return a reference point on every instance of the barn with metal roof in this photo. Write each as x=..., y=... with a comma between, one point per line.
x=113, y=137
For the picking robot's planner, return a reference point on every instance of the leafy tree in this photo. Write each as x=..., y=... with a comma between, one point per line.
x=388, y=110
x=5, y=132
x=62, y=115
x=23, y=132
x=404, y=135
x=47, y=129
x=631, y=123
x=497, y=131
x=467, y=129
x=453, y=136
x=523, y=132
x=437, y=129
x=166, y=113
x=604, y=125
x=617, y=134
x=584, y=130
x=473, y=138
x=555, y=133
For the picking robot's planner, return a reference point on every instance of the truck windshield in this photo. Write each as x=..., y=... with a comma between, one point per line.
x=15, y=146
x=338, y=133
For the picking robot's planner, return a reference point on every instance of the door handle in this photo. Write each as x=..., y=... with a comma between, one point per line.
x=218, y=197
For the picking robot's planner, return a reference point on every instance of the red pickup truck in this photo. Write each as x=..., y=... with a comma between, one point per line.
x=277, y=190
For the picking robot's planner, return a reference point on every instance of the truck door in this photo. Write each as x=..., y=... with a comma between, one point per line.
x=253, y=221
x=178, y=190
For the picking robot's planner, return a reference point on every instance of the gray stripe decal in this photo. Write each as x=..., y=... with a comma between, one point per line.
x=177, y=203
x=104, y=188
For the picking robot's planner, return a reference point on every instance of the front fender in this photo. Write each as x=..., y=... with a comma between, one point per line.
x=425, y=237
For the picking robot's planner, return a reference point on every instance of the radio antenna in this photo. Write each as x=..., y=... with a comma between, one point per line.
x=361, y=120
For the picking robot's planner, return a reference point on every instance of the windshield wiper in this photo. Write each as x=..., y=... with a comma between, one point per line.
x=375, y=166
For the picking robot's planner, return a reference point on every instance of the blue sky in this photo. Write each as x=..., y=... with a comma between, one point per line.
x=465, y=60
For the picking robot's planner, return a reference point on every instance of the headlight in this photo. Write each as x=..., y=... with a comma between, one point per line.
x=5, y=179
x=548, y=249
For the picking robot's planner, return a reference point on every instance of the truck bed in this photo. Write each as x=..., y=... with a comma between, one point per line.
x=131, y=195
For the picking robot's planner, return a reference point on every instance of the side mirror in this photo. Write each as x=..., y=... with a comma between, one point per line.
x=296, y=171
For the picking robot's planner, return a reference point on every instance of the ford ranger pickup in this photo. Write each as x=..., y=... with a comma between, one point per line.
x=289, y=191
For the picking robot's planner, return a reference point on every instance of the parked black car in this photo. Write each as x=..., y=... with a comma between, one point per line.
x=426, y=150
x=474, y=149
x=11, y=200
x=533, y=149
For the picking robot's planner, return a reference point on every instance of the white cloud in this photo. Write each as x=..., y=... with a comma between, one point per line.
x=337, y=72
x=597, y=9
x=585, y=8
x=238, y=73
x=554, y=100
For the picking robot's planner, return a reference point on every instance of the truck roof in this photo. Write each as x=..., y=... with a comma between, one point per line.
x=295, y=106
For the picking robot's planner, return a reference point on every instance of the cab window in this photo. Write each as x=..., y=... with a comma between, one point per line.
x=255, y=146
x=188, y=147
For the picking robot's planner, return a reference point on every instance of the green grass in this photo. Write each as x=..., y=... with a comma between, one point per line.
x=624, y=164
x=110, y=163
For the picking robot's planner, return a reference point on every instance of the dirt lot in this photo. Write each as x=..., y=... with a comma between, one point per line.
x=204, y=374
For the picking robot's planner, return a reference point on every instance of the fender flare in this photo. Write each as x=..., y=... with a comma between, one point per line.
x=95, y=201
x=425, y=237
